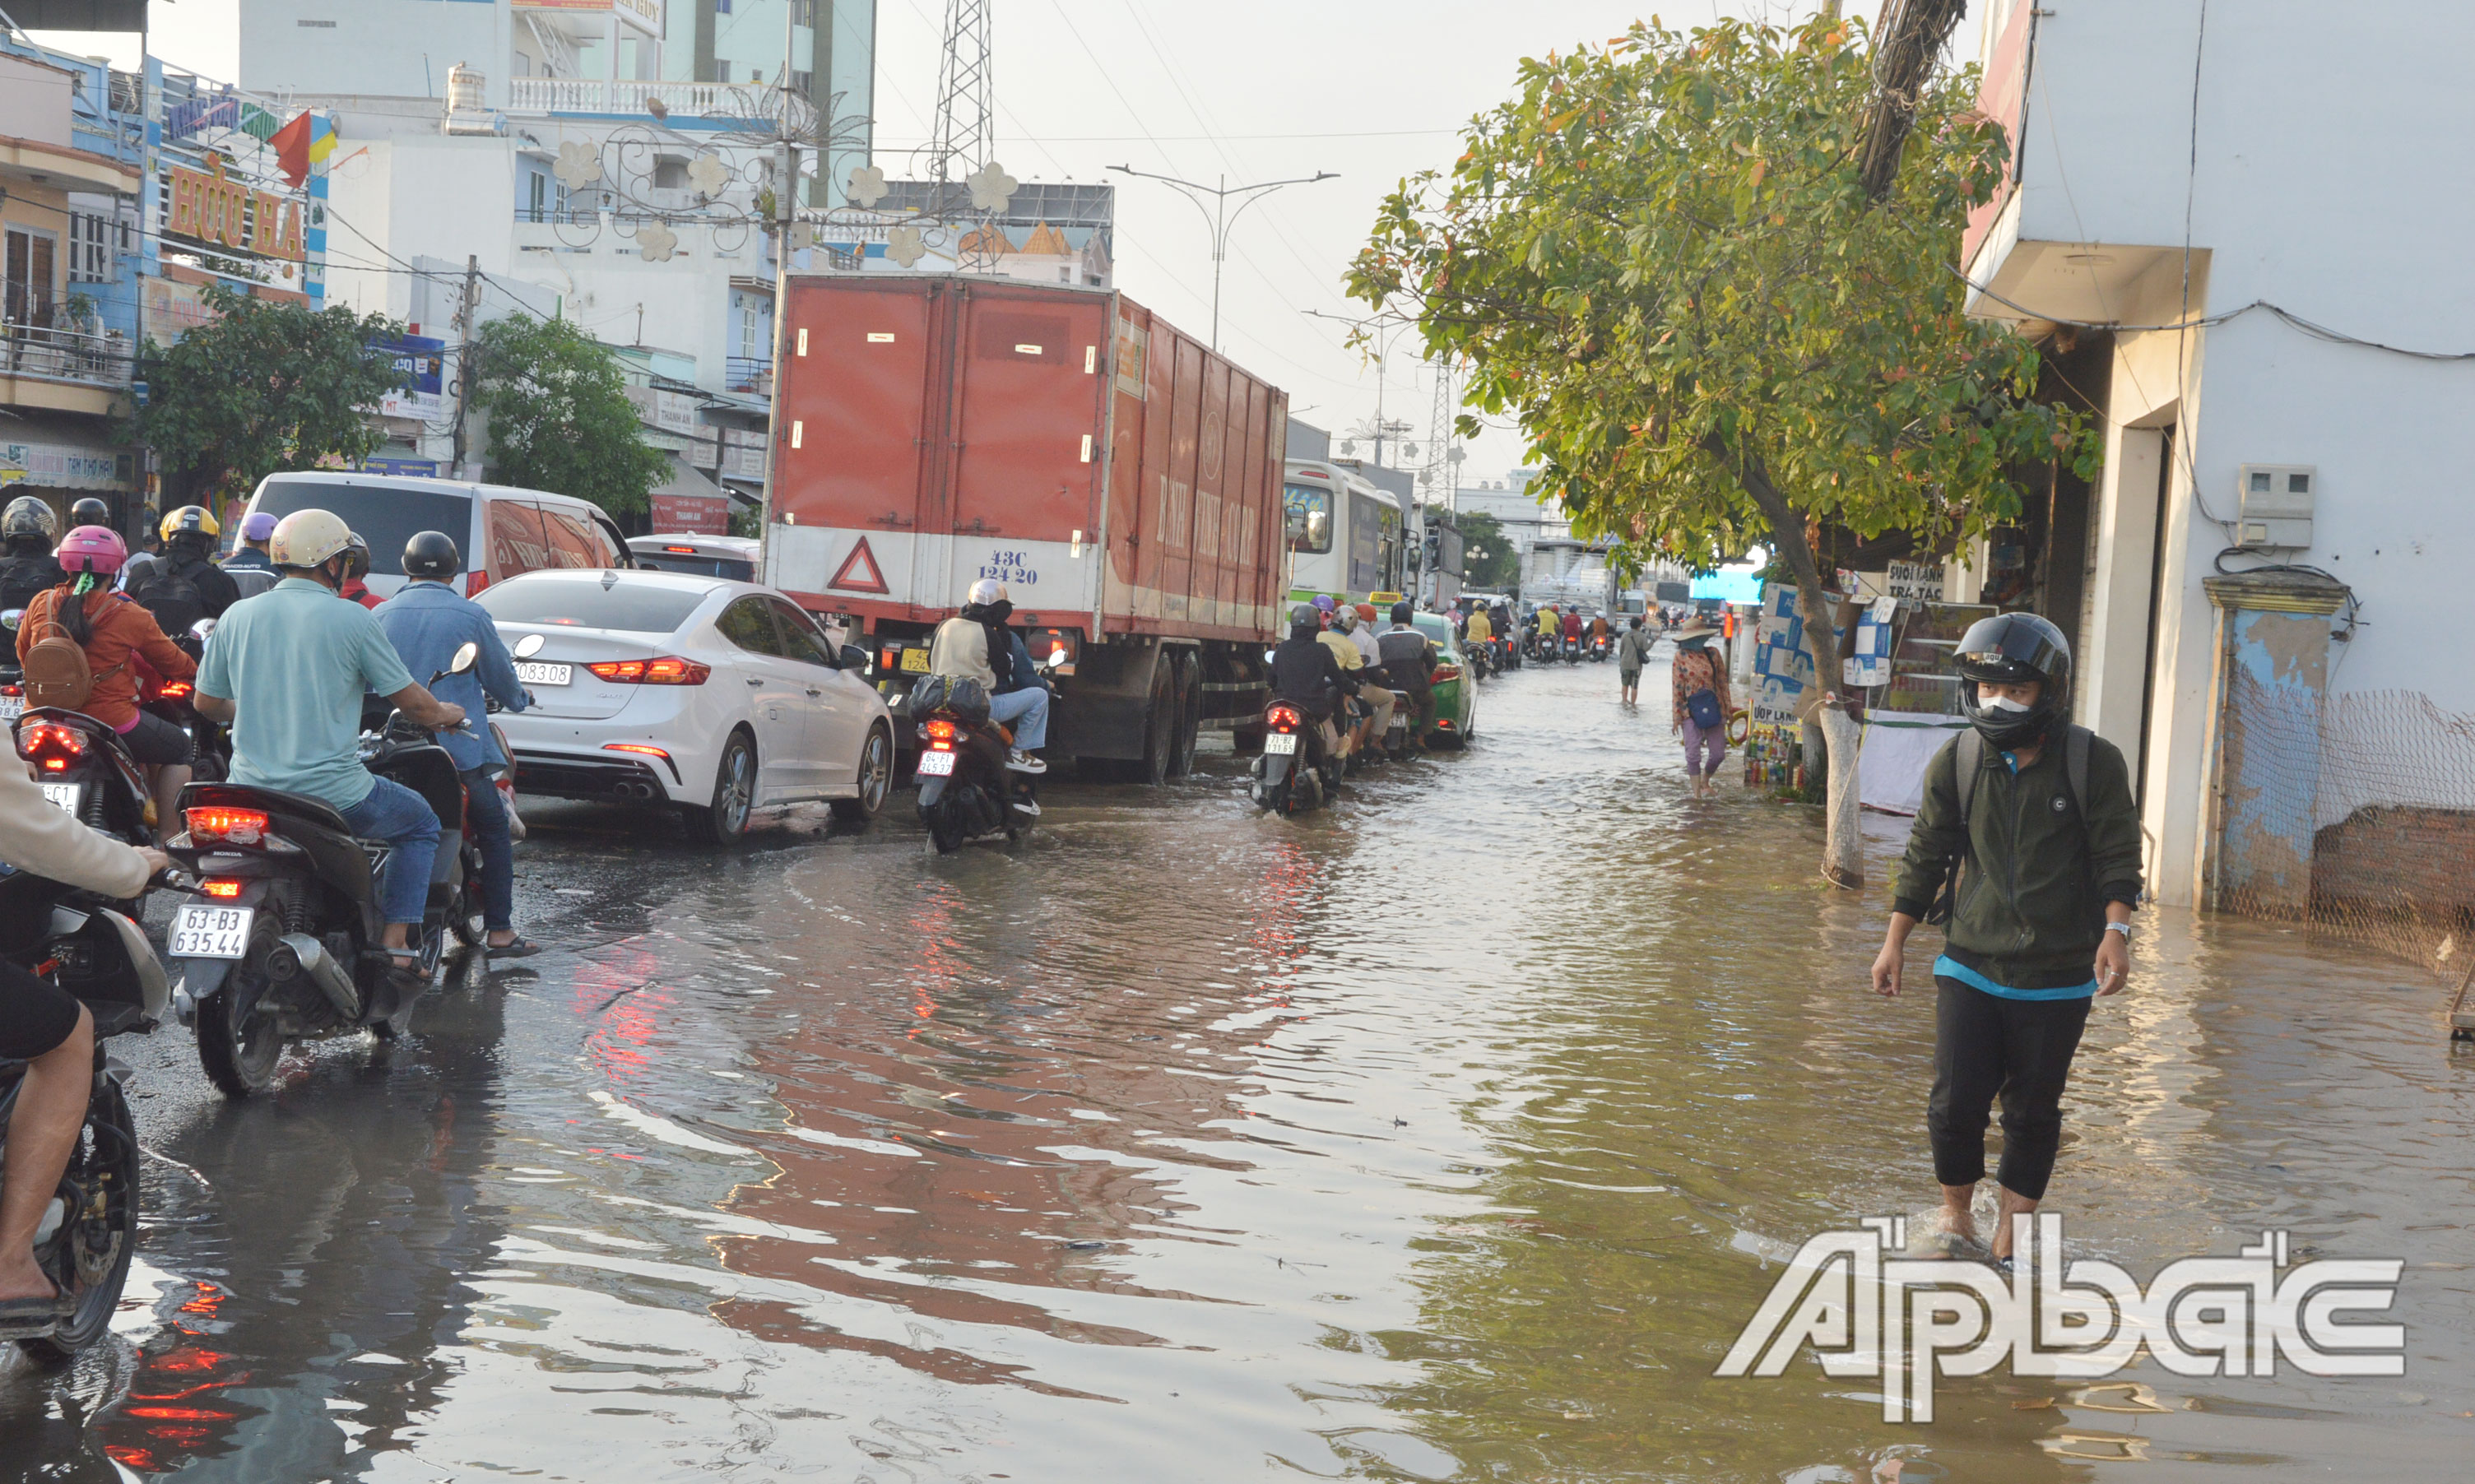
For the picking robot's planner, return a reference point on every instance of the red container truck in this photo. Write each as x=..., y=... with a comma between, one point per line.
x=1121, y=479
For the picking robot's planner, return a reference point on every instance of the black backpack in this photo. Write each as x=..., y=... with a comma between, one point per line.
x=171, y=595
x=1968, y=761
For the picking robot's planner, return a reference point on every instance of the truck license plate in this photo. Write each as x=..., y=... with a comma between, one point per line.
x=936, y=765
x=201, y=932
x=536, y=672
x=1281, y=741
x=915, y=661
x=64, y=796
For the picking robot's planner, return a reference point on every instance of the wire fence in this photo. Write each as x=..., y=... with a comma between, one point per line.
x=2354, y=813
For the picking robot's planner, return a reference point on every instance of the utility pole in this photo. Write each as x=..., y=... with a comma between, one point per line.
x=1220, y=218
x=464, y=368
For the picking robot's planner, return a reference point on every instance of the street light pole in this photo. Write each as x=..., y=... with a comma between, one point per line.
x=1220, y=218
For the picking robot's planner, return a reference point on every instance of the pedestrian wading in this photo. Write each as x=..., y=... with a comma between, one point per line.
x=2031, y=861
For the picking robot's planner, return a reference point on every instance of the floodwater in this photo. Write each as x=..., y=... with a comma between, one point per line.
x=1453, y=1135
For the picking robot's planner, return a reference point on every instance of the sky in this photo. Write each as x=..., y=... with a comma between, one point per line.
x=1371, y=89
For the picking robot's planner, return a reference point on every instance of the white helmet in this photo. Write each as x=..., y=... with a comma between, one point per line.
x=986, y=591
x=307, y=539
x=1345, y=619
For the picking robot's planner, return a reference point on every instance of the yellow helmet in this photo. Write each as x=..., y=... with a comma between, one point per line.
x=188, y=517
x=307, y=538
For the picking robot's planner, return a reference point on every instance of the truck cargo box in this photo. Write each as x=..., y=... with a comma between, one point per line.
x=1110, y=469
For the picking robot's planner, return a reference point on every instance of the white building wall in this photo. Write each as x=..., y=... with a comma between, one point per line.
x=393, y=48
x=2328, y=181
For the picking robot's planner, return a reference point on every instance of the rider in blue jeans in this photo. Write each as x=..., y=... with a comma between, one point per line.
x=287, y=670
x=427, y=621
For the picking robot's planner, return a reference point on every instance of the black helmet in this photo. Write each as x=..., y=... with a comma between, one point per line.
x=431, y=554
x=357, y=557
x=30, y=514
x=89, y=511
x=1402, y=612
x=2016, y=647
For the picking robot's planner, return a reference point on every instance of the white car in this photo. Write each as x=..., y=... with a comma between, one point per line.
x=714, y=696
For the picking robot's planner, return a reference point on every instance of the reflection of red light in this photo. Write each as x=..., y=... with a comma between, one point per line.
x=180, y=1414
x=192, y=1359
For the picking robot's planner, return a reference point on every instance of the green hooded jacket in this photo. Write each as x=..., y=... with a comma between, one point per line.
x=2040, y=866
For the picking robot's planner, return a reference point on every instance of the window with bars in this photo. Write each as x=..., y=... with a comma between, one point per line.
x=91, y=238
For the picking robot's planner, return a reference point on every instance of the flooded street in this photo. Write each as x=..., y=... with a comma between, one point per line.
x=1452, y=1135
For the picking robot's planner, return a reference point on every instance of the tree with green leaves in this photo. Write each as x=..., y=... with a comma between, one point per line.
x=1661, y=258
x=1488, y=562
x=559, y=415
x=263, y=386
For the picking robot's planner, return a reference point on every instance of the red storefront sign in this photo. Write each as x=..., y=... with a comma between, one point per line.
x=703, y=515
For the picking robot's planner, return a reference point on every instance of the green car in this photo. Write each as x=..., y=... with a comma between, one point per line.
x=1455, y=694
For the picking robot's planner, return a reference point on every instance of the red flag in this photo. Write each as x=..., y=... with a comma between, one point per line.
x=292, y=149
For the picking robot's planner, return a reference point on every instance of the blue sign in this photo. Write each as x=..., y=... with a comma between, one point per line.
x=421, y=378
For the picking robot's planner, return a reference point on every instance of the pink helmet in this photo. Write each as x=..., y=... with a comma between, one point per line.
x=92, y=548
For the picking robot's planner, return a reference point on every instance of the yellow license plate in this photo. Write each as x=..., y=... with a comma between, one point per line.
x=916, y=661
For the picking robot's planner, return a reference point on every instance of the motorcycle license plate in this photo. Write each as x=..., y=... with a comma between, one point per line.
x=64, y=796
x=1281, y=741
x=536, y=672
x=203, y=932
x=11, y=707
x=939, y=765
x=915, y=661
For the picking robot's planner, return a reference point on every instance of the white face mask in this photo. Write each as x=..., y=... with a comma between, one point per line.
x=2003, y=703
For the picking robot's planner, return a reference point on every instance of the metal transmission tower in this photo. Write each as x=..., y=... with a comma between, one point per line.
x=1442, y=468
x=966, y=123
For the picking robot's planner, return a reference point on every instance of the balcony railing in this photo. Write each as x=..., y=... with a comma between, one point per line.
x=64, y=355
x=628, y=95
x=749, y=374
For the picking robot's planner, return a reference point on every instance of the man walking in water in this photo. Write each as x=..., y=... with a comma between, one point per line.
x=2035, y=816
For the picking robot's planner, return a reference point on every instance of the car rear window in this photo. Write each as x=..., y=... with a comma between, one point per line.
x=385, y=516
x=631, y=607
x=697, y=566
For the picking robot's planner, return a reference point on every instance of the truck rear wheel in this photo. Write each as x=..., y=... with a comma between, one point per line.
x=1159, y=723
x=1190, y=713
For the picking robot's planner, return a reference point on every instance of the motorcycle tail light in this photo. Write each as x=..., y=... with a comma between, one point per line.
x=668, y=670
x=222, y=890
x=1284, y=719
x=176, y=689
x=51, y=744
x=233, y=826
x=940, y=734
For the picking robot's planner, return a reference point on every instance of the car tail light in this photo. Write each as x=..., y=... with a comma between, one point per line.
x=51, y=744
x=940, y=734
x=645, y=749
x=233, y=826
x=668, y=670
x=1284, y=719
x=221, y=889
x=474, y=581
x=1444, y=672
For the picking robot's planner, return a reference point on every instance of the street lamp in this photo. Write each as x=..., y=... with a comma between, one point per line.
x=1220, y=218
x=1384, y=336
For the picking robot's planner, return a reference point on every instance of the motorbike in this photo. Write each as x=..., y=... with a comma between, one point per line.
x=87, y=771
x=87, y=1234
x=1481, y=659
x=176, y=702
x=280, y=941
x=966, y=793
x=1295, y=772
x=1600, y=646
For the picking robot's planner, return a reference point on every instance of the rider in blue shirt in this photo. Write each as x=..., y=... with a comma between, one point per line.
x=427, y=621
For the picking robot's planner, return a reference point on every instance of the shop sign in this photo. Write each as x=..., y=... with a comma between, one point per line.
x=173, y=309
x=420, y=366
x=62, y=466
x=208, y=206
x=703, y=515
x=1922, y=580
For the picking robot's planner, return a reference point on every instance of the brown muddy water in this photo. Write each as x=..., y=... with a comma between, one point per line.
x=1450, y=1135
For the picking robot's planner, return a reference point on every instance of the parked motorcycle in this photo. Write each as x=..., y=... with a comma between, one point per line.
x=966, y=793
x=88, y=1233
x=280, y=941
x=85, y=770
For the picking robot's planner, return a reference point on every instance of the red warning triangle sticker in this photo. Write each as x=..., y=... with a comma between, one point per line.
x=858, y=572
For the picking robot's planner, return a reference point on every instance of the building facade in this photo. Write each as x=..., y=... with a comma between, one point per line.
x=2233, y=225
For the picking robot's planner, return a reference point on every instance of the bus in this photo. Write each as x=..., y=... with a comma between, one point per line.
x=1345, y=535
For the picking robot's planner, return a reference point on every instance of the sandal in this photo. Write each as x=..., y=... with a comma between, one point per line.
x=517, y=947
x=33, y=1313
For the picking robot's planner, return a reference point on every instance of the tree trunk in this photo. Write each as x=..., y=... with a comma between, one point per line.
x=1843, y=861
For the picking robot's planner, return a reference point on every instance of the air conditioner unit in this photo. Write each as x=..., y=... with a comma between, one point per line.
x=2275, y=506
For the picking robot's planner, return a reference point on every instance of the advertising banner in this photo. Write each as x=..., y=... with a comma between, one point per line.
x=703, y=515
x=421, y=371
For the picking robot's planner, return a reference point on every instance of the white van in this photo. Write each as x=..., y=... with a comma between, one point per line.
x=501, y=530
